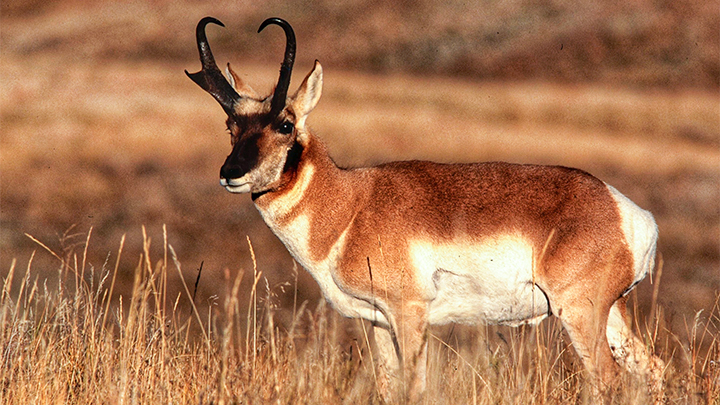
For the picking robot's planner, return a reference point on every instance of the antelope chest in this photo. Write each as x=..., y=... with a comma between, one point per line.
x=296, y=238
x=294, y=231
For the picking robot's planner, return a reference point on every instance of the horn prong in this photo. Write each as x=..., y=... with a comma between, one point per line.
x=210, y=78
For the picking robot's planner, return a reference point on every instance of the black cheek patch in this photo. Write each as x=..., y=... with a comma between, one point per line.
x=293, y=158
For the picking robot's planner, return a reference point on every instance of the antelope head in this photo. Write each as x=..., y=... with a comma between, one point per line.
x=268, y=134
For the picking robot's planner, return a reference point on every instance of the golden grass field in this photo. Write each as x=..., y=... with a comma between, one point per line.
x=109, y=160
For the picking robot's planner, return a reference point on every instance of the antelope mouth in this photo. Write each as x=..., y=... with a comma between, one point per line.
x=237, y=186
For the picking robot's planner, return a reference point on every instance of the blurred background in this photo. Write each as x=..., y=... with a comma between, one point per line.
x=100, y=128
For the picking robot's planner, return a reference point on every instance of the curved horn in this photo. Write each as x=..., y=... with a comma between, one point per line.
x=278, y=101
x=210, y=78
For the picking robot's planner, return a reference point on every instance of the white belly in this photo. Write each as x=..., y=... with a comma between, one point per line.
x=489, y=281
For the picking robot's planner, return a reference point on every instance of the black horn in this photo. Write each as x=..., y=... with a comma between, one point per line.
x=210, y=78
x=278, y=101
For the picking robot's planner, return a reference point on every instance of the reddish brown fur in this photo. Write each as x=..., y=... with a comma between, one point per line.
x=440, y=201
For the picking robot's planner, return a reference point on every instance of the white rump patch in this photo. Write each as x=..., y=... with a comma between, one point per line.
x=641, y=234
x=471, y=281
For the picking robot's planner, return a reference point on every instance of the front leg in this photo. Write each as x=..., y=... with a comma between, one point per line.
x=405, y=350
x=388, y=364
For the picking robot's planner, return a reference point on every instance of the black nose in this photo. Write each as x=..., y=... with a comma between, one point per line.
x=230, y=171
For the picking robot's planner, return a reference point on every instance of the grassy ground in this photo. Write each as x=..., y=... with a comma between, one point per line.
x=100, y=129
x=72, y=343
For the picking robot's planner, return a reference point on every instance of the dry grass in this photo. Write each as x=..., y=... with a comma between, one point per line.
x=73, y=343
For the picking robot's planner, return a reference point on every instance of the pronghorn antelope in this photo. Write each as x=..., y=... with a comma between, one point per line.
x=409, y=244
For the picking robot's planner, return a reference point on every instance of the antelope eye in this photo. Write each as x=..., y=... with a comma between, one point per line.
x=286, y=128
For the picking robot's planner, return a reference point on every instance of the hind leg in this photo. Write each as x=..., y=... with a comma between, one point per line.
x=585, y=321
x=629, y=351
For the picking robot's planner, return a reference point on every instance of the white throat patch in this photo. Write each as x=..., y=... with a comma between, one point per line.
x=283, y=204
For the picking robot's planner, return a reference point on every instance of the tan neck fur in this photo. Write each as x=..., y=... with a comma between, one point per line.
x=326, y=194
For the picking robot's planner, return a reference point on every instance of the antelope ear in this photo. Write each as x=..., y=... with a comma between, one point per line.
x=243, y=89
x=308, y=95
